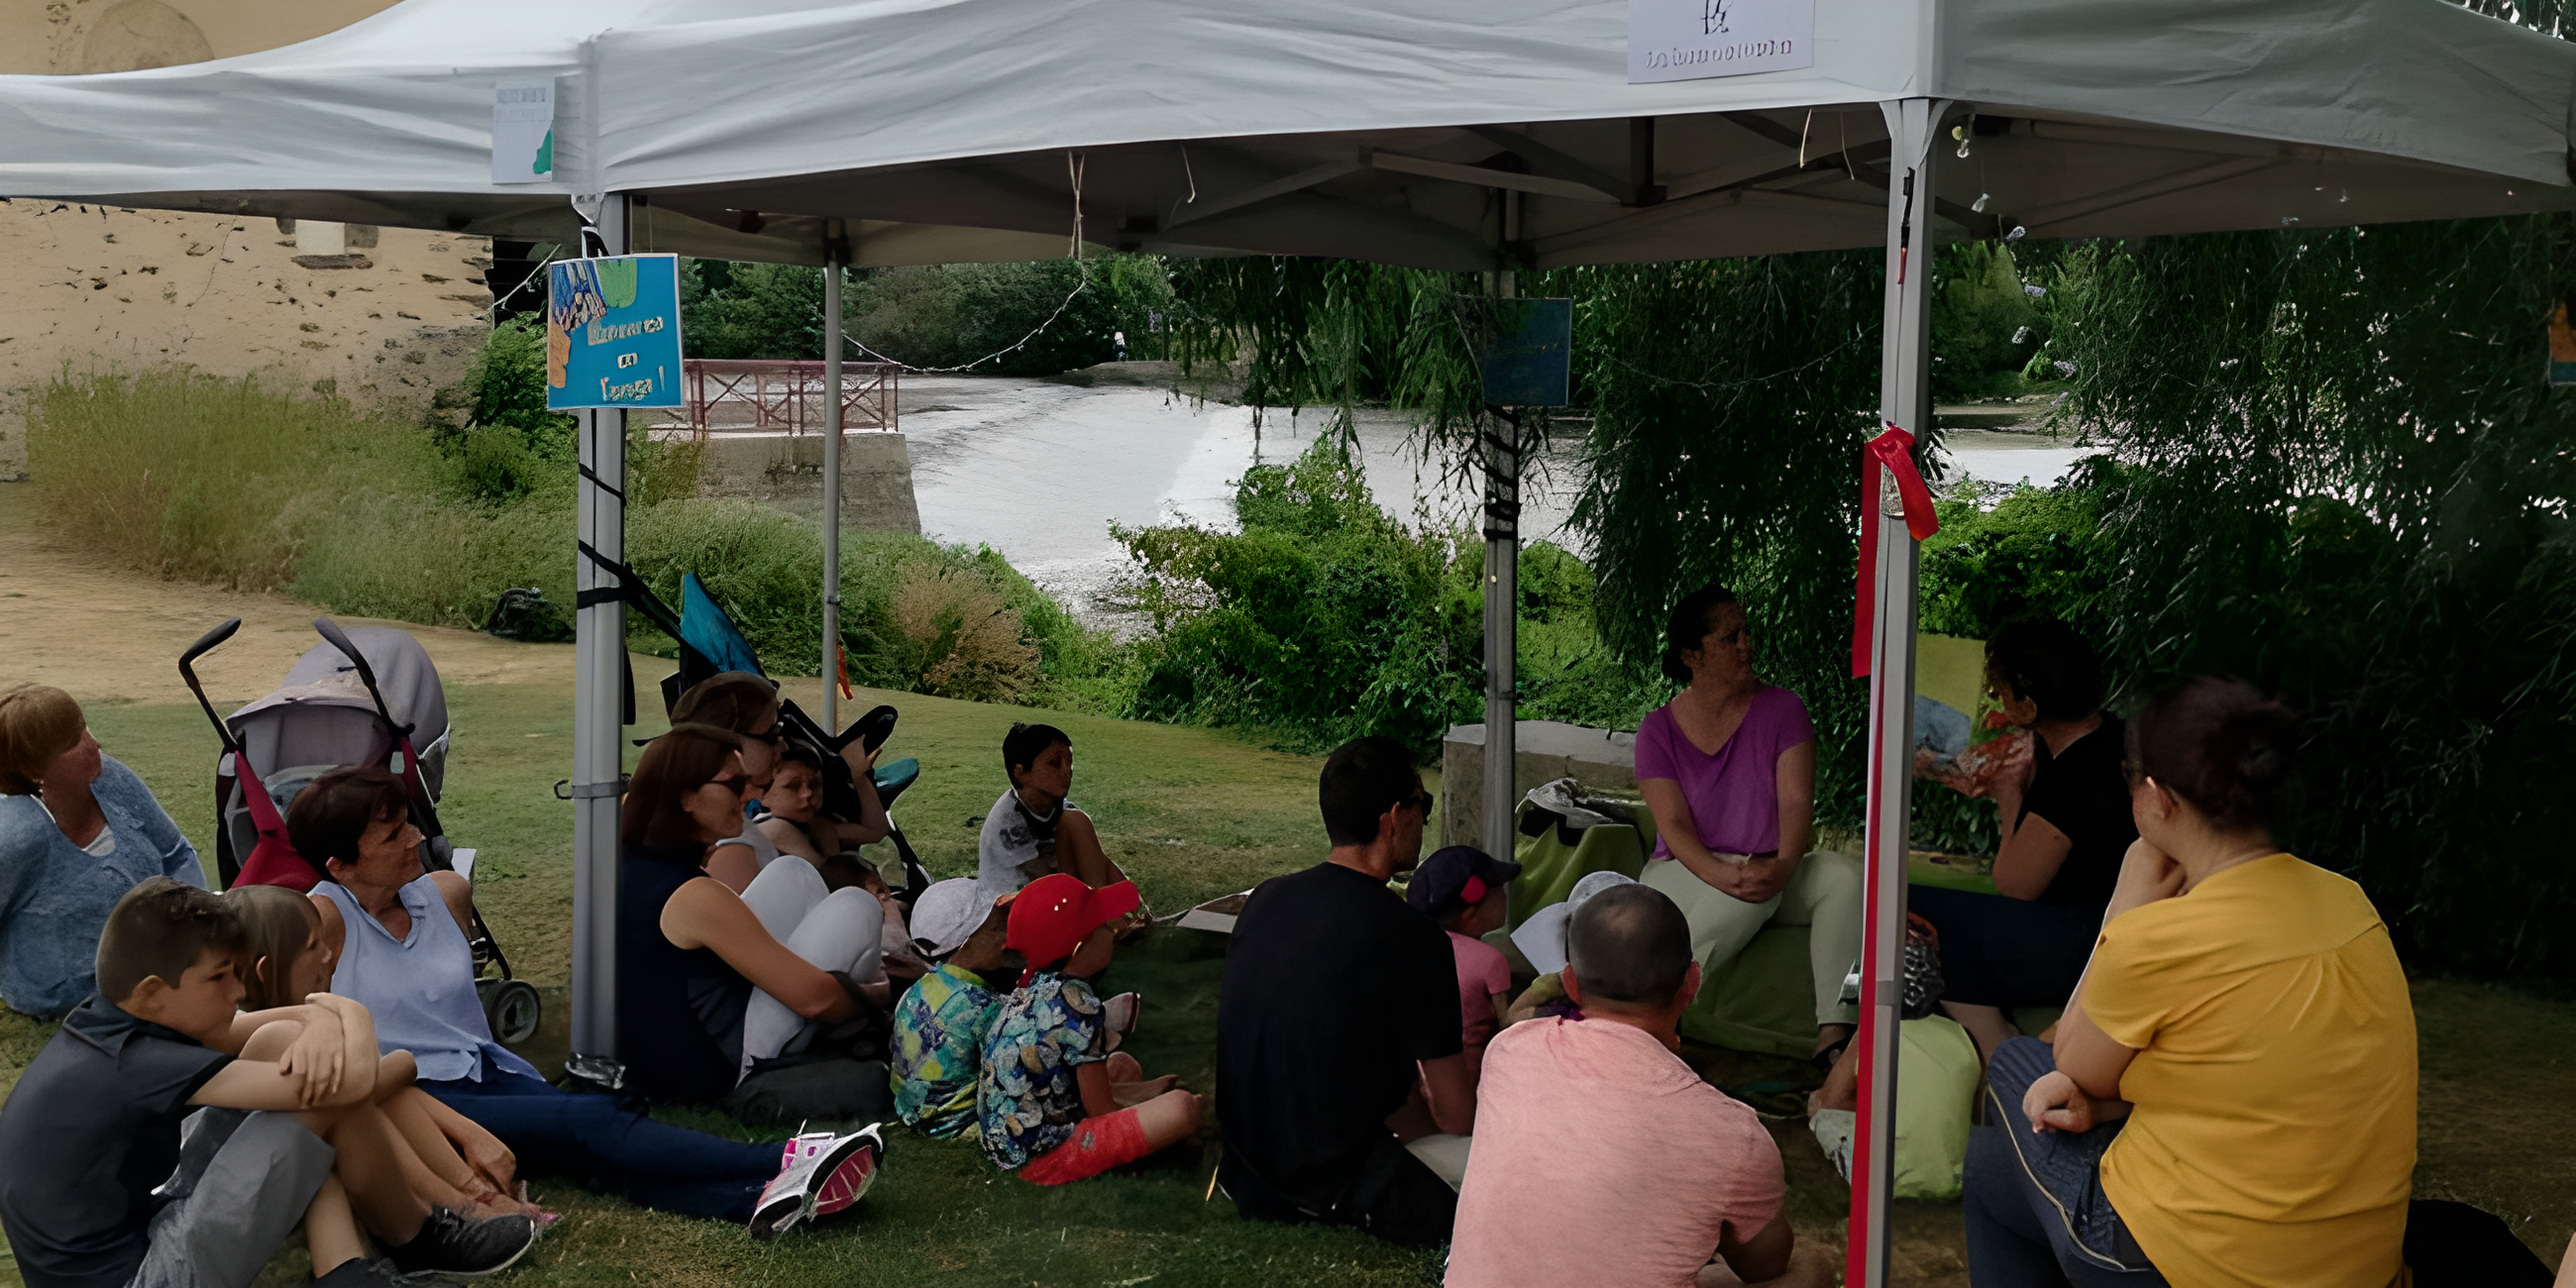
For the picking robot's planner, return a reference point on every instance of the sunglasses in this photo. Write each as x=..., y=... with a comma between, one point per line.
x=733, y=783
x=1419, y=798
x=774, y=737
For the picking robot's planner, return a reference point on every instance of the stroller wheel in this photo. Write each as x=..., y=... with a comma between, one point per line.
x=513, y=1009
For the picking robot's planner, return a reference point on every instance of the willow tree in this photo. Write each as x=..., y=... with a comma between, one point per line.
x=2337, y=468
x=1719, y=412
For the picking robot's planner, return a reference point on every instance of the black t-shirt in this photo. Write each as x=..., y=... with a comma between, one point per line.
x=91, y=1129
x=1334, y=988
x=679, y=1010
x=2084, y=794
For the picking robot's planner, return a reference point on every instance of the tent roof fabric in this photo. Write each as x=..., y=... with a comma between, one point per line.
x=956, y=129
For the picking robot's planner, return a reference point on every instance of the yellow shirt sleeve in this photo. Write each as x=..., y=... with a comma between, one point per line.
x=2137, y=981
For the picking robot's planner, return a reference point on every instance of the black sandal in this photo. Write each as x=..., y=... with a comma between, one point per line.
x=1824, y=1060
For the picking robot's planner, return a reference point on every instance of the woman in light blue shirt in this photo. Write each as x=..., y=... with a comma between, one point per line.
x=77, y=830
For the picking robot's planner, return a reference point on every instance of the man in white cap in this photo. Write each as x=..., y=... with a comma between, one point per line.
x=938, y=1041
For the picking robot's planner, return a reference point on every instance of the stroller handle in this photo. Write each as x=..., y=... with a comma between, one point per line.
x=188, y=672
x=339, y=639
x=208, y=641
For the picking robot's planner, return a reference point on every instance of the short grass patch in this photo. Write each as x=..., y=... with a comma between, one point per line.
x=1190, y=813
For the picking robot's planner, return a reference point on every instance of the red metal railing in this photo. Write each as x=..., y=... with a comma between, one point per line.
x=751, y=395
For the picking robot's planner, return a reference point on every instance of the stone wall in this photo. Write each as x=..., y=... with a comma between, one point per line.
x=1543, y=751
x=787, y=470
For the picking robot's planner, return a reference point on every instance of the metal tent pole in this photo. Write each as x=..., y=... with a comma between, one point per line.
x=598, y=734
x=834, y=255
x=1502, y=588
x=1904, y=362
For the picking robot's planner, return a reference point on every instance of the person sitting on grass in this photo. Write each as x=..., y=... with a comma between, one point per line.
x=400, y=949
x=1578, y=1118
x=1461, y=887
x=102, y=1184
x=2230, y=1097
x=1032, y=829
x=936, y=1054
x=452, y=1162
x=746, y=705
x=1048, y=1097
x=1339, y=1041
x=77, y=830
x=796, y=826
x=772, y=1001
x=793, y=819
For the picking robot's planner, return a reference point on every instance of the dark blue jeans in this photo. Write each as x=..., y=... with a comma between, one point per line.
x=2036, y=1211
x=597, y=1141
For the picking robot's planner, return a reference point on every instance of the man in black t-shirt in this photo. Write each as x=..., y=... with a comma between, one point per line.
x=1336, y=994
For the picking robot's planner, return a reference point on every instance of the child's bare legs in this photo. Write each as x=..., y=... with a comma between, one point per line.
x=445, y=1178
x=1168, y=1119
x=433, y=1185
x=1988, y=1025
x=370, y=1169
x=330, y=1230
x=1129, y=1085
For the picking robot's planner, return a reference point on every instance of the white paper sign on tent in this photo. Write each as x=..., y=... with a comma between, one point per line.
x=523, y=131
x=1670, y=40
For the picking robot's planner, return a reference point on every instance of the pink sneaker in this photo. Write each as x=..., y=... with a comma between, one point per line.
x=809, y=1166
x=848, y=1182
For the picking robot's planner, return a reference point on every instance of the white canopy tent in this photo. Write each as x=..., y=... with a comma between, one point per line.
x=1481, y=138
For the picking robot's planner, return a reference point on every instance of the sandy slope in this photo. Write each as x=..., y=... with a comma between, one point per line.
x=102, y=631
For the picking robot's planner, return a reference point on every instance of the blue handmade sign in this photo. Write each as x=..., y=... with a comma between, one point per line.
x=1526, y=361
x=613, y=332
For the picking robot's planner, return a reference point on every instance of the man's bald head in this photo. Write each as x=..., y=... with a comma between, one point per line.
x=1630, y=947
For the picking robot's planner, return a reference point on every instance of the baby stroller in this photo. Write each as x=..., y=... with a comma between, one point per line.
x=710, y=644
x=363, y=697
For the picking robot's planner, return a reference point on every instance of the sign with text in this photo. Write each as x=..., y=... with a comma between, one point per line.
x=1670, y=40
x=613, y=332
x=523, y=131
x=1525, y=356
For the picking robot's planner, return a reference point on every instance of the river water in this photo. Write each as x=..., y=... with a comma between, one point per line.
x=1039, y=470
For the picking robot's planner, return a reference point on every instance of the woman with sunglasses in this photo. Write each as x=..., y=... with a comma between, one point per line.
x=719, y=993
x=747, y=705
x=1729, y=769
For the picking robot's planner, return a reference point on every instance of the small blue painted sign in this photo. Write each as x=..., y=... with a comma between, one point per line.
x=613, y=332
x=1527, y=361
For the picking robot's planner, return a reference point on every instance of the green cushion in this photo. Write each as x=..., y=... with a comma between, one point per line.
x=1764, y=1000
x=1550, y=867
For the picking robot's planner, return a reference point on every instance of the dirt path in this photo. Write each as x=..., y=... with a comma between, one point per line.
x=104, y=632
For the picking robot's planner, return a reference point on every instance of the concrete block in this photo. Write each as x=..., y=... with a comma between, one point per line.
x=1543, y=751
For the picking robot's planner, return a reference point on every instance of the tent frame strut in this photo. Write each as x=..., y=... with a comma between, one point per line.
x=599, y=673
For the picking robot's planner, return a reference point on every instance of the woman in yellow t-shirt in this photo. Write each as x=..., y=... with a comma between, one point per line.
x=2231, y=1096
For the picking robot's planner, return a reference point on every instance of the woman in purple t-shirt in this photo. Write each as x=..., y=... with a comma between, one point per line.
x=1729, y=769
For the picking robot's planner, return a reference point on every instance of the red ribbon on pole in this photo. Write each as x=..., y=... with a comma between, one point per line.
x=1895, y=451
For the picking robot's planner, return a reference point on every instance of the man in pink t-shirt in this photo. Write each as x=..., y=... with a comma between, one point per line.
x=1600, y=1157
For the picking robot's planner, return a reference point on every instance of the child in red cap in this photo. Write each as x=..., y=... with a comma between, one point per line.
x=1048, y=1092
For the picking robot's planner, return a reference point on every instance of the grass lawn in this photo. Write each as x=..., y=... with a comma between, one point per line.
x=1190, y=813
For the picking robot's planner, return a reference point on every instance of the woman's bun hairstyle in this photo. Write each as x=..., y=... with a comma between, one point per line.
x=2220, y=744
x=1688, y=625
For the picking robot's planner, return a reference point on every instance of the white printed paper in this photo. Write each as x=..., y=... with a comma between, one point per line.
x=523, y=131
x=1670, y=40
